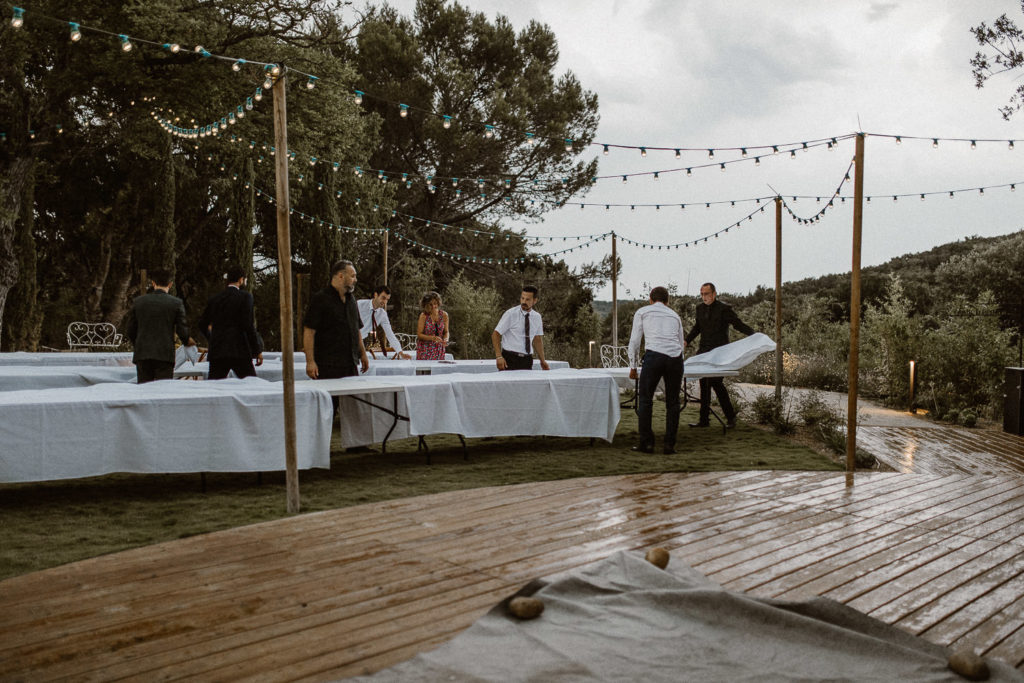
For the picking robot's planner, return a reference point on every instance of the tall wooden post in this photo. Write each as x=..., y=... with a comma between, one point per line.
x=615, y=294
x=284, y=274
x=778, y=298
x=858, y=215
x=387, y=232
x=301, y=298
x=143, y=281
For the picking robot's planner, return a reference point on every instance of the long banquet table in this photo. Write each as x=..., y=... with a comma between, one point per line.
x=78, y=358
x=169, y=426
x=572, y=403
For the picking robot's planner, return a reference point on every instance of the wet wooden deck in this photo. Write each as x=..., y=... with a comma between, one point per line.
x=325, y=595
x=941, y=449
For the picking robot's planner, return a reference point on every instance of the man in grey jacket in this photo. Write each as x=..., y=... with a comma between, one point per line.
x=152, y=322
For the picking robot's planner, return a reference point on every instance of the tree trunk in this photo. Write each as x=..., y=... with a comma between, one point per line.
x=24, y=314
x=243, y=214
x=12, y=189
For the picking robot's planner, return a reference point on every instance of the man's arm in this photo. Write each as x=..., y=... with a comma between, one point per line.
x=362, y=356
x=739, y=324
x=496, y=342
x=538, y=346
x=308, y=334
x=392, y=339
x=182, y=327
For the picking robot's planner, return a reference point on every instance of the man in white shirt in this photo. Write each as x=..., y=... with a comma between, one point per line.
x=373, y=314
x=662, y=331
x=518, y=334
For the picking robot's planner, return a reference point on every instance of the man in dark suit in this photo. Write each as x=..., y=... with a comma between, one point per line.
x=230, y=328
x=152, y=322
x=713, y=319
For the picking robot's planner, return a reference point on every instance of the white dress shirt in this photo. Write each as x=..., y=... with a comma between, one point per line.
x=512, y=328
x=662, y=329
x=367, y=313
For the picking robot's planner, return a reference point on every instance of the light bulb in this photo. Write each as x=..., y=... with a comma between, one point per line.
x=76, y=32
x=446, y=121
x=743, y=151
x=455, y=182
x=237, y=66
x=935, y=143
x=1011, y=145
x=311, y=82
x=605, y=152
x=689, y=171
x=198, y=49
x=568, y=145
x=259, y=94
x=126, y=44
x=275, y=70
x=643, y=151
x=531, y=139
x=268, y=84
x=899, y=140
x=625, y=179
x=359, y=97
x=974, y=145
x=711, y=154
x=655, y=175
x=488, y=131
x=403, y=110
x=678, y=154
x=248, y=104
x=18, y=18
x=172, y=47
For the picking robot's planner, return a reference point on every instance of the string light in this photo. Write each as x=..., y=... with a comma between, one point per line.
x=358, y=97
x=237, y=66
x=605, y=150
x=75, y=32
x=18, y=18
x=172, y=47
x=403, y=110
x=311, y=82
x=446, y=122
x=126, y=44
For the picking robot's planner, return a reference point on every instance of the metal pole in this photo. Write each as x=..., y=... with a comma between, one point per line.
x=778, y=299
x=615, y=295
x=284, y=274
x=858, y=215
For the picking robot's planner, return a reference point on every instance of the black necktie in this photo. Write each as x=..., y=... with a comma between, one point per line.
x=527, y=334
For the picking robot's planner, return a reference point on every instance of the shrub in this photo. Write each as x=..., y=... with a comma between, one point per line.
x=968, y=419
x=767, y=411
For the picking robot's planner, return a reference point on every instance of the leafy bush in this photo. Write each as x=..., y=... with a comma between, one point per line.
x=766, y=410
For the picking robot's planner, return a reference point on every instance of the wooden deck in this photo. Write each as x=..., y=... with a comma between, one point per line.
x=325, y=595
x=942, y=449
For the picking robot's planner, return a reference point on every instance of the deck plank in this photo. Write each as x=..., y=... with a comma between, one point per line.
x=341, y=592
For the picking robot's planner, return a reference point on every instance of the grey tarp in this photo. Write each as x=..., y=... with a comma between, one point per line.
x=623, y=619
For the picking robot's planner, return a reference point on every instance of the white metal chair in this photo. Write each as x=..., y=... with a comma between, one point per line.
x=82, y=335
x=614, y=356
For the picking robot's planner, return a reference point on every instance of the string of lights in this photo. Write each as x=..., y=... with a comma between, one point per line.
x=828, y=205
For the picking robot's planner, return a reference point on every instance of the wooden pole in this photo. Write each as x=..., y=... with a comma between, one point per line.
x=778, y=299
x=387, y=232
x=143, y=281
x=284, y=274
x=301, y=297
x=858, y=215
x=615, y=295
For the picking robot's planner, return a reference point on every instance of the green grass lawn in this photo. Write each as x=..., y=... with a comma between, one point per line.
x=52, y=523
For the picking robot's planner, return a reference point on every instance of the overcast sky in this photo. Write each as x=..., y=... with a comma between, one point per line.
x=672, y=73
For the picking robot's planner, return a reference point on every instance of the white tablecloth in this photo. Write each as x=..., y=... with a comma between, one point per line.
x=123, y=358
x=30, y=377
x=556, y=403
x=300, y=356
x=169, y=426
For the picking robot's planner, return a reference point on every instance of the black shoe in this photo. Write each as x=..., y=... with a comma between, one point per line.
x=668, y=450
x=700, y=424
x=642, y=449
x=730, y=424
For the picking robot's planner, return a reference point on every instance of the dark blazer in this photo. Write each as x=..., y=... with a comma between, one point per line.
x=228, y=324
x=712, y=324
x=152, y=322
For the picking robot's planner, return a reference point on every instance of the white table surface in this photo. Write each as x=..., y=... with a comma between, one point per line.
x=78, y=358
x=167, y=426
x=576, y=403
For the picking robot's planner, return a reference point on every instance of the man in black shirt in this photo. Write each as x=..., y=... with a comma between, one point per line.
x=330, y=329
x=713, y=319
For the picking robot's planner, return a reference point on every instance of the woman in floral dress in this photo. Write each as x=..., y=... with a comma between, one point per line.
x=431, y=329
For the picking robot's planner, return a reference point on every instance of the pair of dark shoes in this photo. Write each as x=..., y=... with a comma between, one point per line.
x=640, y=448
x=729, y=424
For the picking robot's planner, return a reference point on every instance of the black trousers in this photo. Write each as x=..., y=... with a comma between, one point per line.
x=657, y=367
x=149, y=370
x=718, y=384
x=220, y=367
x=517, y=361
x=334, y=372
